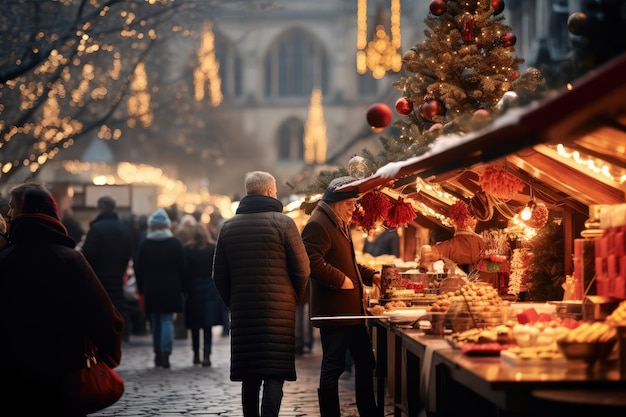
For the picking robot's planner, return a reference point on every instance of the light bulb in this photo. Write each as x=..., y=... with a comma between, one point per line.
x=526, y=213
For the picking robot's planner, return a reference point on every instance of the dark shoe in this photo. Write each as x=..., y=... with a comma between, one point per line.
x=165, y=360
x=329, y=402
x=196, y=357
x=206, y=361
x=157, y=359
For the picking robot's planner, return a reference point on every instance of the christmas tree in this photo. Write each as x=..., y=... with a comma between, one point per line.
x=457, y=80
x=460, y=74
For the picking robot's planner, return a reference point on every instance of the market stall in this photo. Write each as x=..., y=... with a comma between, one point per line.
x=571, y=149
x=568, y=149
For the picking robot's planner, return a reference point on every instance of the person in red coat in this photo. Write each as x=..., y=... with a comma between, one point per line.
x=51, y=301
x=337, y=288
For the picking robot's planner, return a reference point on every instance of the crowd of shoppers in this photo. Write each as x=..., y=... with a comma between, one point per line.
x=256, y=274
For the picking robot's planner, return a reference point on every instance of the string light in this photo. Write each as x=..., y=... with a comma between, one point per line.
x=381, y=54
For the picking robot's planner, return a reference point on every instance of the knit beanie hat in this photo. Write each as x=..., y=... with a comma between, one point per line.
x=159, y=218
x=331, y=195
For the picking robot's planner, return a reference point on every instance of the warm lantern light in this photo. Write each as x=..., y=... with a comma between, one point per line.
x=527, y=212
x=380, y=54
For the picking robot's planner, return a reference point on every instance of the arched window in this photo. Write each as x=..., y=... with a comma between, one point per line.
x=294, y=65
x=290, y=140
x=230, y=67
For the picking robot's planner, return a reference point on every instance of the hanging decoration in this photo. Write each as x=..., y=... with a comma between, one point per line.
x=404, y=106
x=467, y=25
x=460, y=215
x=499, y=183
x=380, y=54
x=374, y=207
x=378, y=116
x=400, y=213
x=438, y=7
x=357, y=167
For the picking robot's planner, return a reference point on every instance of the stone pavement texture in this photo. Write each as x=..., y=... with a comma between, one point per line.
x=192, y=390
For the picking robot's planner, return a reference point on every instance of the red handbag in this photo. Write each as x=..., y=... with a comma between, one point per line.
x=100, y=386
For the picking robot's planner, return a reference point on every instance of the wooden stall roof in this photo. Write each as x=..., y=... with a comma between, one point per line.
x=589, y=117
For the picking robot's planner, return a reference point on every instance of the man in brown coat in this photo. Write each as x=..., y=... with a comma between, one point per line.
x=337, y=287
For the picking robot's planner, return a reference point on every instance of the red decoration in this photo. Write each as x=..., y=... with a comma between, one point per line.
x=460, y=215
x=499, y=183
x=431, y=108
x=374, y=208
x=404, y=106
x=400, y=213
x=508, y=39
x=379, y=116
x=438, y=7
x=467, y=34
x=497, y=6
x=514, y=75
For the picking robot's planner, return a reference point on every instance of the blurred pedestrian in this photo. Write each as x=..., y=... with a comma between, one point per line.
x=159, y=270
x=108, y=246
x=203, y=305
x=73, y=226
x=51, y=302
x=337, y=288
x=385, y=242
x=261, y=271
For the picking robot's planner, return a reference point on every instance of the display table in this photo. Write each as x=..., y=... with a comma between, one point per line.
x=425, y=375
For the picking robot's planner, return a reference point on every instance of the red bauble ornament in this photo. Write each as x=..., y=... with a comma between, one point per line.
x=508, y=39
x=378, y=116
x=467, y=34
x=513, y=75
x=497, y=6
x=438, y=7
x=404, y=106
x=431, y=108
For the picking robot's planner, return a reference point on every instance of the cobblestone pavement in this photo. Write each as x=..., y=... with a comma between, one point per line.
x=192, y=390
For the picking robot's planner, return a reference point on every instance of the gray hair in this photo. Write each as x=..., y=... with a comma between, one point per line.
x=257, y=182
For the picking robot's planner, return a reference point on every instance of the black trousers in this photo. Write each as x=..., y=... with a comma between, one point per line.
x=356, y=339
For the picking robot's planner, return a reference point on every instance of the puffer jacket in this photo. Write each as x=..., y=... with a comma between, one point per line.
x=332, y=258
x=261, y=270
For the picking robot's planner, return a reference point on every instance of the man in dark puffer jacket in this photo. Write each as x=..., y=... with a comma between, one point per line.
x=261, y=270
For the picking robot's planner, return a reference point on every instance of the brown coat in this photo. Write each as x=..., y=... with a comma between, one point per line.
x=332, y=258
